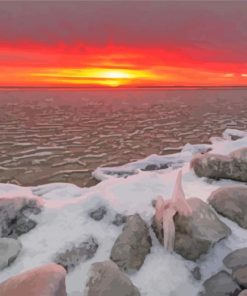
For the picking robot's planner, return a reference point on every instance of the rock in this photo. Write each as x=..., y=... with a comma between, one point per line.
x=221, y=284
x=232, y=166
x=75, y=254
x=133, y=244
x=239, y=154
x=243, y=293
x=48, y=280
x=197, y=233
x=236, y=259
x=98, y=214
x=107, y=280
x=9, y=250
x=240, y=276
x=119, y=219
x=151, y=167
x=211, y=165
x=20, y=225
x=14, y=213
x=231, y=202
x=196, y=272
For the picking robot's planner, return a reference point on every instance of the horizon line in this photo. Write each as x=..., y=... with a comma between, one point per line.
x=126, y=87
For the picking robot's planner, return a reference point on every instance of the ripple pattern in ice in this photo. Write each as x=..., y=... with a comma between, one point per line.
x=64, y=135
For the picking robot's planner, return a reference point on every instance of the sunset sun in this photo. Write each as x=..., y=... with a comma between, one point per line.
x=92, y=76
x=117, y=74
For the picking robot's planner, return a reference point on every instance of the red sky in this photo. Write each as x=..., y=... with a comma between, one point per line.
x=123, y=43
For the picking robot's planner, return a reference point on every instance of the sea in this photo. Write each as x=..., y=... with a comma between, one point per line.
x=63, y=134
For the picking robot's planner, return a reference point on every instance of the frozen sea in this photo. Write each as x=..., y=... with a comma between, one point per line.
x=63, y=135
x=52, y=140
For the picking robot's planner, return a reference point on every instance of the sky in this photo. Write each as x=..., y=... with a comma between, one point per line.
x=123, y=43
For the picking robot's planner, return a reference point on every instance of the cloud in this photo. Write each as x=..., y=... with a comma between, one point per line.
x=182, y=40
x=204, y=24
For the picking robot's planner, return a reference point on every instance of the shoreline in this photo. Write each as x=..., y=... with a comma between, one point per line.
x=64, y=221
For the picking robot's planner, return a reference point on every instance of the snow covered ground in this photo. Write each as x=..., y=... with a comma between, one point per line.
x=65, y=220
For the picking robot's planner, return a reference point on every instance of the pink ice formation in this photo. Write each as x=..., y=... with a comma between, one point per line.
x=166, y=210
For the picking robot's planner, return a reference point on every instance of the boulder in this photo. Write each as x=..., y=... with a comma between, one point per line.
x=74, y=254
x=231, y=202
x=106, y=279
x=196, y=233
x=9, y=250
x=48, y=280
x=133, y=244
x=98, y=214
x=221, y=284
x=232, y=166
x=236, y=259
x=239, y=154
x=240, y=276
x=243, y=293
x=14, y=215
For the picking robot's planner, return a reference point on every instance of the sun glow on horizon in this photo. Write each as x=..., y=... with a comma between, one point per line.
x=94, y=76
x=110, y=67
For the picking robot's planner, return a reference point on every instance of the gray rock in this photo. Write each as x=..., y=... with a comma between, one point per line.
x=240, y=154
x=9, y=250
x=77, y=253
x=236, y=259
x=221, y=284
x=232, y=166
x=151, y=167
x=231, y=202
x=119, y=219
x=98, y=214
x=197, y=233
x=243, y=293
x=240, y=276
x=48, y=280
x=107, y=280
x=133, y=244
x=14, y=215
x=20, y=225
x=196, y=272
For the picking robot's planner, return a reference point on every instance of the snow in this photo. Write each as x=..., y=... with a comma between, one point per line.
x=228, y=133
x=65, y=220
x=172, y=161
x=228, y=146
